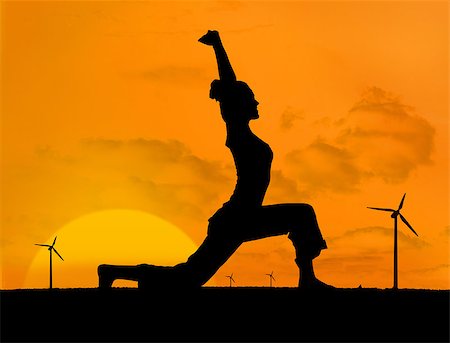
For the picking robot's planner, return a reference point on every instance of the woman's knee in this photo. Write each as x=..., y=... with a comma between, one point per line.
x=300, y=219
x=309, y=210
x=296, y=214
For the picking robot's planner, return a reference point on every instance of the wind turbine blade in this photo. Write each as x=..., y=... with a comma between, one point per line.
x=44, y=245
x=273, y=278
x=401, y=202
x=58, y=254
x=233, y=280
x=382, y=209
x=407, y=224
x=54, y=241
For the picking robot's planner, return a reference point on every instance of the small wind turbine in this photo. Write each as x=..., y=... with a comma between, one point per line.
x=51, y=248
x=231, y=278
x=271, y=278
x=395, y=214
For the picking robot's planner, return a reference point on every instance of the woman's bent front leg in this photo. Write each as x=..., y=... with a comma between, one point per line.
x=300, y=223
x=297, y=220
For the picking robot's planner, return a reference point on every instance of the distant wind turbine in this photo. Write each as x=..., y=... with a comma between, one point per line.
x=395, y=214
x=231, y=278
x=51, y=248
x=271, y=278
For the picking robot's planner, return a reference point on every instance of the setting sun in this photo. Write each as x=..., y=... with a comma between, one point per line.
x=112, y=236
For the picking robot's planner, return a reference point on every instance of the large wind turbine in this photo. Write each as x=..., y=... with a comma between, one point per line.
x=51, y=248
x=271, y=278
x=231, y=278
x=395, y=214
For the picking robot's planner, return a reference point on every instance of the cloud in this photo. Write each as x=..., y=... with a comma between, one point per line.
x=376, y=232
x=162, y=177
x=283, y=189
x=325, y=166
x=389, y=139
x=289, y=117
x=361, y=264
x=150, y=157
x=446, y=232
x=164, y=169
x=433, y=269
x=346, y=259
x=379, y=138
x=174, y=75
x=47, y=152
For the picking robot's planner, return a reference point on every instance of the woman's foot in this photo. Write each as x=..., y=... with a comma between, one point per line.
x=105, y=276
x=314, y=284
x=308, y=278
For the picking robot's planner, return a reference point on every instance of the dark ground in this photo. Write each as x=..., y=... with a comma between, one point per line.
x=225, y=314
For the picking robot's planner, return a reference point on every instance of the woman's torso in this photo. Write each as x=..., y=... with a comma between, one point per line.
x=253, y=159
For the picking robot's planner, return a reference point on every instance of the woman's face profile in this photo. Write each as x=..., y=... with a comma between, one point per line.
x=237, y=100
x=250, y=107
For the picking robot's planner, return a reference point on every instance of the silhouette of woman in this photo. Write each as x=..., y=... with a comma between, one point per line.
x=243, y=218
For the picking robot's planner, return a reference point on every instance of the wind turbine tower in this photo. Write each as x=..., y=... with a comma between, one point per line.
x=51, y=248
x=271, y=278
x=231, y=278
x=395, y=214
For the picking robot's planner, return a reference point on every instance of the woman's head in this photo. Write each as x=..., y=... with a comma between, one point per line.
x=236, y=99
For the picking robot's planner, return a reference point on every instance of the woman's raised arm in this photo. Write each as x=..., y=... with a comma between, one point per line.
x=226, y=72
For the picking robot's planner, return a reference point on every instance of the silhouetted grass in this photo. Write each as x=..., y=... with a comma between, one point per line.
x=225, y=314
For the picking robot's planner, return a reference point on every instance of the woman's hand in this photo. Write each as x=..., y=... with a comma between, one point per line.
x=210, y=38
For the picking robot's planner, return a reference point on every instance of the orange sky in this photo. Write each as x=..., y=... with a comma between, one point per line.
x=105, y=106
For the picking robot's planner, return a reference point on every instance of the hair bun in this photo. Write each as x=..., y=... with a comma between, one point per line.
x=216, y=90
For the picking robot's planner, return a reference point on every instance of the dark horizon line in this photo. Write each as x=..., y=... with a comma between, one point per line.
x=228, y=287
